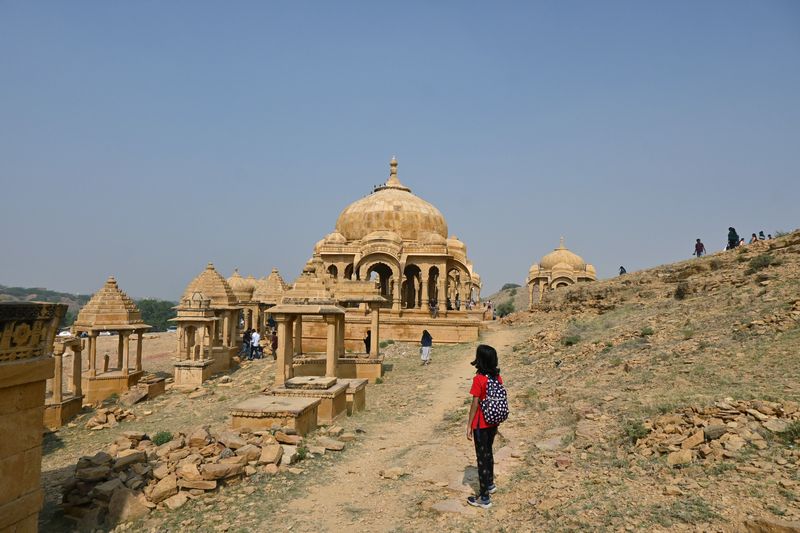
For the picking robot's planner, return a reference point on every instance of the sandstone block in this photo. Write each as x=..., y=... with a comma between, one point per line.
x=251, y=452
x=125, y=460
x=331, y=444
x=679, y=458
x=696, y=439
x=177, y=501
x=271, y=454
x=164, y=489
x=201, y=484
x=221, y=471
x=125, y=506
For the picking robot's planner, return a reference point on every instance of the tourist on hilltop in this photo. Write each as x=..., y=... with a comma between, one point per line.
x=368, y=341
x=741, y=241
x=489, y=408
x=255, y=346
x=426, y=343
x=245, y=351
x=622, y=270
x=699, y=248
x=761, y=236
x=733, y=239
x=769, y=237
x=753, y=238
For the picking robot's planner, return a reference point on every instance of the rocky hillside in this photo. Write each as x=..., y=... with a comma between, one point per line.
x=667, y=399
x=517, y=297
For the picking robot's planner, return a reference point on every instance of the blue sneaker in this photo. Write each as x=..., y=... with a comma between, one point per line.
x=479, y=501
x=492, y=489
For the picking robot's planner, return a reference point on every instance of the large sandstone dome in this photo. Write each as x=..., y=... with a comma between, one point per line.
x=562, y=258
x=393, y=208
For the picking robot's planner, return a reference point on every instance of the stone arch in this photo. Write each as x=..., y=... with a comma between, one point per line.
x=433, y=284
x=348, y=271
x=333, y=271
x=411, y=291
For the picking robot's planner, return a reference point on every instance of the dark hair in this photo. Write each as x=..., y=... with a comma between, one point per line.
x=486, y=361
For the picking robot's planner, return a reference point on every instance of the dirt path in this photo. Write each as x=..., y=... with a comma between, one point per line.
x=430, y=447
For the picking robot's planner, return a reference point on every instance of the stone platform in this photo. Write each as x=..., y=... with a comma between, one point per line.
x=98, y=388
x=264, y=412
x=332, y=396
x=348, y=367
x=58, y=414
x=190, y=374
x=356, y=394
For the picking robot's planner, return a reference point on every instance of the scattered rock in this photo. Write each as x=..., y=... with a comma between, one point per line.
x=680, y=458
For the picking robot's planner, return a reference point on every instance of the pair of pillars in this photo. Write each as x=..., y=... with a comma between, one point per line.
x=123, y=352
x=188, y=343
x=58, y=376
x=290, y=343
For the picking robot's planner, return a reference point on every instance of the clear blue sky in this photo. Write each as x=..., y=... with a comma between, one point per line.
x=143, y=139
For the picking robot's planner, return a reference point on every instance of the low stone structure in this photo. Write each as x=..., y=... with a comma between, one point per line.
x=27, y=331
x=559, y=268
x=110, y=310
x=62, y=405
x=208, y=333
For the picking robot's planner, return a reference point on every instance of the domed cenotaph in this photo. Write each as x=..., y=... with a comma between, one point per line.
x=559, y=268
x=401, y=242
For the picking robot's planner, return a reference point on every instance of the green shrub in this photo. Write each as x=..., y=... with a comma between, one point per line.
x=688, y=333
x=715, y=264
x=378, y=380
x=681, y=291
x=510, y=286
x=792, y=432
x=570, y=340
x=647, y=331
x=634, y=430
x=302, y=453
x=162, y=437
x=505, y=308
x=760, y=262
x=781, y=233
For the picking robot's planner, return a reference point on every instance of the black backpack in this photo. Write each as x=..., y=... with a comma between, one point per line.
x=495, y=406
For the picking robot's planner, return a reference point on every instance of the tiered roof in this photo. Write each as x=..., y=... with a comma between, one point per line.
x=212, y=286
x=110, y=309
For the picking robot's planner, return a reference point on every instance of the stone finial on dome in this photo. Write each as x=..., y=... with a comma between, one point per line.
x=561, y=244
x=393, y=182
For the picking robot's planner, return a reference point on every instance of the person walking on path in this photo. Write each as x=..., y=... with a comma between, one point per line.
x=255, y=345
x=699, y=248
x=426, y=342
x=733, y=239
x=753, y=238
x=761, y=236
x=245, y=351
x=368, y=341
x=478, y=430
x=622, y=270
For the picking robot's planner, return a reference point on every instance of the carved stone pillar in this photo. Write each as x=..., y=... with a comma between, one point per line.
x=126, y=353
x=77, y=359
x=284, y=369
x=376, y=333
x=139, y=351
x=93, y=354
x=298, y=335
x=330, y=352
x=58, y=376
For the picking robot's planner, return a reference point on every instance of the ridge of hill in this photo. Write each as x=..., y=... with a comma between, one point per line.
x=154, y=311
x=665, y=399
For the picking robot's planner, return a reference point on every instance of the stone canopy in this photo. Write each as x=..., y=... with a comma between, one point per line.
x=110, y=309
x=559, y=268
x=401, y=241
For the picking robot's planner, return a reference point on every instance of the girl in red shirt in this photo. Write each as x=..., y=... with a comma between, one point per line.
x=478, y=431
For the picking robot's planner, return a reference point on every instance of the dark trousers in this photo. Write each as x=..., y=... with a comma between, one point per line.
x=484, y=439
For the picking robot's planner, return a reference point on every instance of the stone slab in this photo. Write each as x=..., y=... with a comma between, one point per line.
x=265, y=412
x=333, y=401
x=310, y=382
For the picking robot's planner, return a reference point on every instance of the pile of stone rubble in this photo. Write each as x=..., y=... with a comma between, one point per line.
x=133, y=475
x=717, y=432
x=106, y=418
